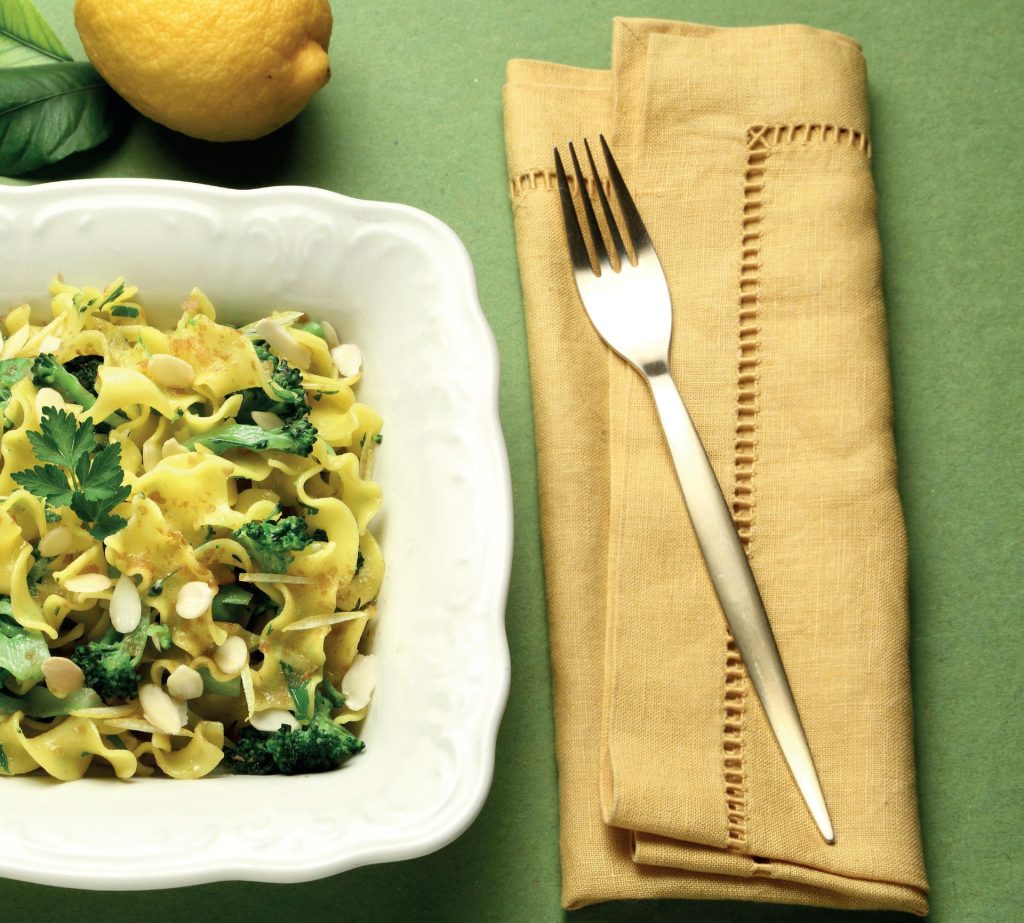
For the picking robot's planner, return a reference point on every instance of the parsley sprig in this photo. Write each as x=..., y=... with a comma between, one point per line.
x=77, y=474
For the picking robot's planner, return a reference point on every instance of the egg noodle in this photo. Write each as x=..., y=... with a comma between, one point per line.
x=186, y=568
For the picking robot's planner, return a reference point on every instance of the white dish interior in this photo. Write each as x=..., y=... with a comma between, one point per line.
x=399, y=284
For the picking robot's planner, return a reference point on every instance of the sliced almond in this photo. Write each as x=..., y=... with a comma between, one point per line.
x=283, y=343
x=266, y=420
x=170, y=371
x=56, y=542
x=232, y=656
x=194, y=599
x=88, y=583
x=348, y=359
x=274, y=578
x=358, y=683
x=330, y=334
x=62, y=676
x=330, y=618
x=159, y=709
x=173, y=447
x=49, y=344
x=47, y=397
x=272, y=719
x=151, y=455
x=125, y=605
x=185, y=683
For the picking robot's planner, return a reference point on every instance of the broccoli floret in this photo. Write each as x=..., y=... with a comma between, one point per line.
x=108, y=667
x=271, y=542
x=285, y=382
x=85, y=369
x=296, y=438
x=47, y=372
x=109, y=663
x=161, y=635
x=336, y=698
x=250, y=756
x=320, y=746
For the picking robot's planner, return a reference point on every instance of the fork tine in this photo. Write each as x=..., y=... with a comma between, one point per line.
x=634, y=224
x=606, y=208
x=588, y=208
x=573, y=231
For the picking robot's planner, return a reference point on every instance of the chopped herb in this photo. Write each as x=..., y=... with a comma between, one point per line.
x=360, y=560
x=116, y=742
x=51, y=514
x=157, y=588
x=379, y=438
x=116, y=292
x=298, y=689
x=124, y=310
x=4, y=765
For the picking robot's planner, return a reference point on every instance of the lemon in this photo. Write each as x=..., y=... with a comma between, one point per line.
x=222, y=70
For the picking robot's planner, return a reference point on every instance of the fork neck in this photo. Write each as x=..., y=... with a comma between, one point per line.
x=655, y=368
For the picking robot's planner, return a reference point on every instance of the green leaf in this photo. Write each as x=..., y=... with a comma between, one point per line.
x=101, y=478
x=12, y=371
x=25, y=38
x=22, y=654
x=51, y=111
x=107, y=524
x=39, y=702
x=62, y=439
x=46, y=481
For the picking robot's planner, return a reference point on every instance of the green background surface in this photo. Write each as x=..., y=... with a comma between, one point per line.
x=413, y=114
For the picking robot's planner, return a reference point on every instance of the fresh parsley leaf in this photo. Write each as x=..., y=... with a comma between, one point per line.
x=107, y=524
x=46, y=481
x=61, y=439
x=102, y=475
x=76, y=474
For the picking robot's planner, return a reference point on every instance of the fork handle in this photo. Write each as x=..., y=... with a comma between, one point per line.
x=736, y=589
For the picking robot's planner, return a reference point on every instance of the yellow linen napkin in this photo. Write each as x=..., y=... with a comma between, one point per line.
x=747, y=152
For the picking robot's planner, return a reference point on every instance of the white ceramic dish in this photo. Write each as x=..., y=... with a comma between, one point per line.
x=400, y=284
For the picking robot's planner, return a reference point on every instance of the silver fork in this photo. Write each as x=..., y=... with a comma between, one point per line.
x=630, y=307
